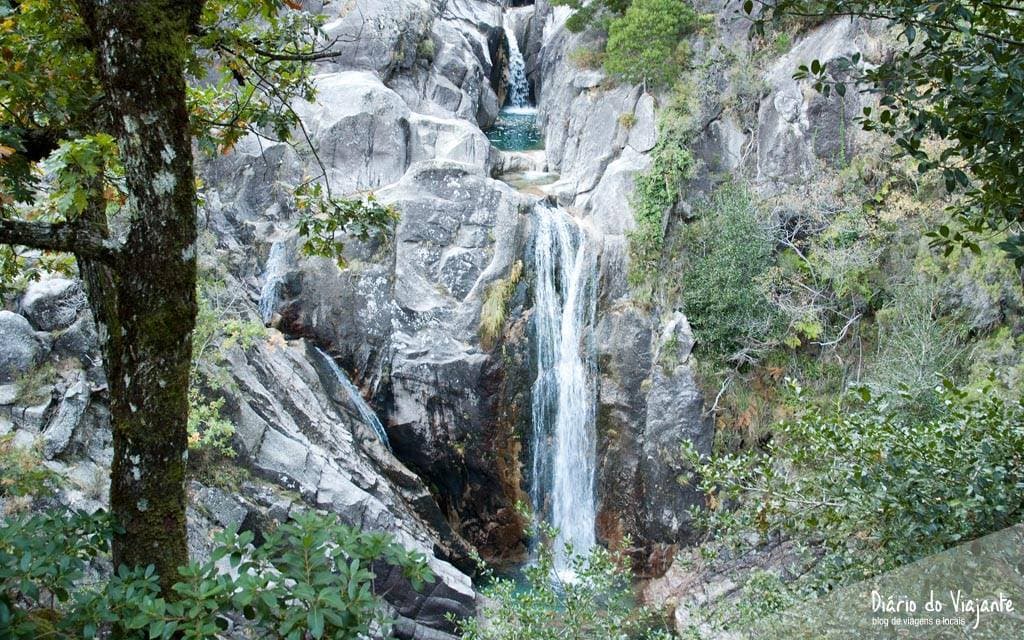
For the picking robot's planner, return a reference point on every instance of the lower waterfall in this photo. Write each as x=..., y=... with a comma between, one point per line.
x=564, y=442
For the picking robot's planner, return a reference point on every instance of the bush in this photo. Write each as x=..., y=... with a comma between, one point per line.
x=311, y=578
x=22, y=473
x=729, y=252
x=596, y=604
x=647, y=43
x=587, y=58
x=222, y=322
x=585, y=14
x=867, y=487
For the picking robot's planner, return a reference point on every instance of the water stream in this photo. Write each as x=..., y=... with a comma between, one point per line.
x=518, y=86
x=564, y=446
x=273, y=281
x=365, y=411
x=516, y=126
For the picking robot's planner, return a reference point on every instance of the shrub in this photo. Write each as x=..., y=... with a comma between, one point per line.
x=22, y=474
x=596, y=604
x=916, y=346
x=647, y=43
x=222, y=322
x=729, y=252
x=656, y=192
x=311, y=578
x=587, y=58
x=869, y=487
x=586, y=14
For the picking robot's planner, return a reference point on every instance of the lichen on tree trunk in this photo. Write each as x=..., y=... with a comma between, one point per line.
x=145, y=303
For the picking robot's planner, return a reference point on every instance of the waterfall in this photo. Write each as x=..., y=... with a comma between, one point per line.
x=365, y=412
x=518, y=87
x=273, y=281
x=564, y=443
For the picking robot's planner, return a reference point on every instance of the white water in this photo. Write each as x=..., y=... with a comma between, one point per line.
x=273, y=281
x=564, y=447
x=365, y=412
x=518, y=87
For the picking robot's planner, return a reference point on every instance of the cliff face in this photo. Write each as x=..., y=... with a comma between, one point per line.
x=404, y=319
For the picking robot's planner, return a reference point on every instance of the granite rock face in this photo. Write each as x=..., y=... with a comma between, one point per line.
x=22, y=349
x=304, y=443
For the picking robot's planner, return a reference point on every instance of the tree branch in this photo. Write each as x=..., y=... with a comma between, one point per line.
x=57, y=237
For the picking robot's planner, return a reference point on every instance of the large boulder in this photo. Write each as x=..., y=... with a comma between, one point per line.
x=53, y=304
x=675, y=415
x=21, y=351
x=360, y=129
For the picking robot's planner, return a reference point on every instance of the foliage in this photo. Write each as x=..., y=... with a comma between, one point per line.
x=326, y=220
x=657, y=191
x=916, y=346
x=647, y=44
x=223, y=321
x=868, y=487
x=256, y=58
x=959, y=60
x=587, y=58
x=494, y=309
x=594, y=603
x=22, y=473
x=595, y=13
x=36, y=385
x=722, y=280
x=310, y=578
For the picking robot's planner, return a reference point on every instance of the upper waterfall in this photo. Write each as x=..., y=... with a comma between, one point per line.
x=518, y=86
x=564, y=442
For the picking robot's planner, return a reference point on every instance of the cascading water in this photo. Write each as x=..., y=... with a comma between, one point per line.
x=365, y=412
x=516, y=126
x=564, y=445
x=273, y=281
x=518, y=87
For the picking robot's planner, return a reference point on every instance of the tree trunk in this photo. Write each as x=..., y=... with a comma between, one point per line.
x=145, y=302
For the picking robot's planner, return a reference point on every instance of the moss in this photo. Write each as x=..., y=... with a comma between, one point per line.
x=586, y=58
x=657, y=191
x=495, y=307
x=426, y=49
x=36, y=386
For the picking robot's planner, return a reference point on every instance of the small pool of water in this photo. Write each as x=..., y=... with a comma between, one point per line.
x=530, y=181
x=516, y=130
